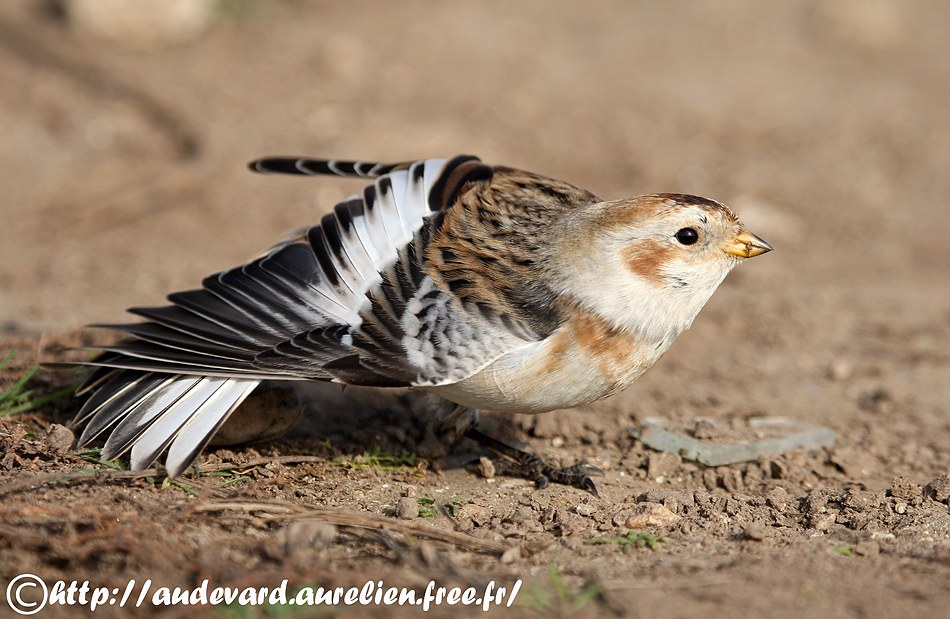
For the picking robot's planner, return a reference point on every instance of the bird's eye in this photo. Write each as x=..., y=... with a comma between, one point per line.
x=687, y=236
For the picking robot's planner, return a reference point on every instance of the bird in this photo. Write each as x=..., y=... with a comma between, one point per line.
x=490, y=287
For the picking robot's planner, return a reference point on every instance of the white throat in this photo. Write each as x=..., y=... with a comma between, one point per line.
x=656, y=313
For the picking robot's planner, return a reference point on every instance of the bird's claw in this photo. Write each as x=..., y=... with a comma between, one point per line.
x=530, y=466
x=577, y=476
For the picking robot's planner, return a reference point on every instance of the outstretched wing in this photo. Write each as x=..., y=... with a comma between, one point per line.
x=348, y=300
x=352, y=300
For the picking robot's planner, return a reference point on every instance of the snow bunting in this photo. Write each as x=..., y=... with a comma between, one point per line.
x=491, y=287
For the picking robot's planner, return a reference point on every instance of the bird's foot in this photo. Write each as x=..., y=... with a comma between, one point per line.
x=529, y=466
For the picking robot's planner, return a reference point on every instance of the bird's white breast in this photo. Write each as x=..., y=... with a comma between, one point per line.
x=584, y=360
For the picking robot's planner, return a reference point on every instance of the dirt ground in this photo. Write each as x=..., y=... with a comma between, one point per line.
x=825, y=125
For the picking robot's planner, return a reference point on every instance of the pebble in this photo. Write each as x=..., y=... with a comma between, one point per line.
x=939, y=489
x=60, y=438
x=407, y=508
x=823, y=522
x=585, y=509
x=486, y=468
x=652, y=515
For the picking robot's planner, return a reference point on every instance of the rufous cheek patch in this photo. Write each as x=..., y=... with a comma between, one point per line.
x=648, y=259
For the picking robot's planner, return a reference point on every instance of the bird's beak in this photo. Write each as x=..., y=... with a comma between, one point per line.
x=747, y=245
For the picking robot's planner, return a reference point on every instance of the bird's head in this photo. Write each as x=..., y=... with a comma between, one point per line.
x=651, y=263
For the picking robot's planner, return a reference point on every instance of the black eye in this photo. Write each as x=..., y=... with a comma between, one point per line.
x=687, y=236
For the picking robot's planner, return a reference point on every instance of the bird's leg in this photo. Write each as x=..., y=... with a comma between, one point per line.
x=447, y=424
x=532, y=467
x=453, y=422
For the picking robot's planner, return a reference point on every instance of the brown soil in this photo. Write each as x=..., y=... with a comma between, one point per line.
x=825, y=125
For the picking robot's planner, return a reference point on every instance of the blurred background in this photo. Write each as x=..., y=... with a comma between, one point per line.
x=125, y=131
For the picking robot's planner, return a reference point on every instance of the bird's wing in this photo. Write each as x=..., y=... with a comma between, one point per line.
x=458, y=286
x=351, y=299
x=360, y=299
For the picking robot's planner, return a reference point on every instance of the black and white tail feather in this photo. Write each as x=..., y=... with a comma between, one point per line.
x=346, y=301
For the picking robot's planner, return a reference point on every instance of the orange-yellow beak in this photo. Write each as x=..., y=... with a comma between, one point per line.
x=747, y=245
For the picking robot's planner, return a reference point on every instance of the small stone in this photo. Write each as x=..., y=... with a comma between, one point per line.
x=900, y=508
x=652, y=515
x=407, y=508
x=823, y=522
x=486, y=468
x=939, y=489
x=777, y=498
x=585, y=509
x=59, y=438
